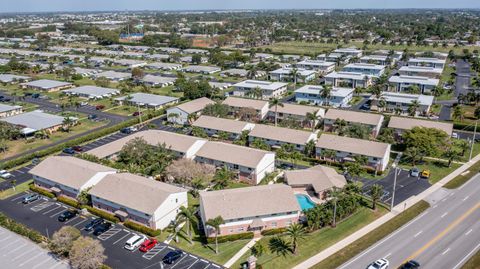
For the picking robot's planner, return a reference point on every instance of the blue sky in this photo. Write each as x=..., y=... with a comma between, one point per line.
x=93, y=5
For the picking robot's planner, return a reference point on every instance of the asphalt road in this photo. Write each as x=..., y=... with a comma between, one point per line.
x=462, y=82
x=444, y=236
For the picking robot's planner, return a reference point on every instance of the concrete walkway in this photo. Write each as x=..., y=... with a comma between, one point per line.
x=375, y=224
x=241, y=252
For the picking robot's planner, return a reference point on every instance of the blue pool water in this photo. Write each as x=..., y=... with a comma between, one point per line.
x=304, y=202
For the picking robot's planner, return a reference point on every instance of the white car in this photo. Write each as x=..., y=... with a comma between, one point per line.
x=5, y=174
x=379, y=264
x=135, y=241
x=455, y=135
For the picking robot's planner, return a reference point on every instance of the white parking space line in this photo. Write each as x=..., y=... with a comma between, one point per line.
x=3, y=239
x=57, y=213
x=445, y=252
x=41, y=206
x=74, y=225
x=18, y=171
x=46, y=212
x=153, y=252
x=121, y=238
x=417, y=234
x=9, y=244
x=109, y=234
x=444, y=214
x=192, y=263
x=15, y=249
x=31, y=258
x=180, y=260
x=24, y=253
x=42, y=262
x=31, y=203
x=16, y=198
x=469, y=231
x=70, y=220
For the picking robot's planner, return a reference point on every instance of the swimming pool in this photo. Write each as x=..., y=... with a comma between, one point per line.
x=304, y=201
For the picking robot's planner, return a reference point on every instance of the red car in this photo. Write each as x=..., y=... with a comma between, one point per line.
x=77, y=148
x=148, y=244
x=99, y=107
x=136, y=113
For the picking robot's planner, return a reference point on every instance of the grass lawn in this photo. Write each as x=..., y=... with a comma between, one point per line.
x=316, y=241
x=464, y=177
x=469, y=113
x=167, y=91
x=436, y=108
x=18, y=189
x=236, y=185
x=438, y=169
x=475, y=152
x=122, y=110
x=355, y=100
x=372, y=237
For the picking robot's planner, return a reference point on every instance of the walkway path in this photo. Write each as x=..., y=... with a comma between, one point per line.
x=242, y=251
x=372, y=226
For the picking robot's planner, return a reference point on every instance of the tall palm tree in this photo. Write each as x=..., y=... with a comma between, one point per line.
x=275, y=103
x=296, y=232
x=279, y=246
x=326, y=93
x=376, y=192
x=334, y=194
x=188, y=215
x=215, y=224
x=174, y=229
x=458, y=113
x=312, y=118
x=256, y=93
x=222, y=178
x=67, y=123
x=252, y=72
x=382, y=103
x=451, y=155
x=413, y=107
x=294, y=74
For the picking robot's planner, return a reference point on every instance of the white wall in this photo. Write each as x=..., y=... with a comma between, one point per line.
x=168, y=210
x=182, y=116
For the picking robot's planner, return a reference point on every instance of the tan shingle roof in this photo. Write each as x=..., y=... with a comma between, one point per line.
x=174, y=141
x=233, y=154
x=281, y=134
x=293, y=109
x=226, y=125
x=249, y=202
x=409, y=123
x=68, y=171
x=353, y=116
x=320, y=177
x=353, y=145
x=135, y=192
x=244, y=102
x=195, y=105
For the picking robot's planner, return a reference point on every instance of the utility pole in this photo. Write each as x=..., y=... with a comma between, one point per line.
x=394, y=186
x=473, y=140
x=139, y=114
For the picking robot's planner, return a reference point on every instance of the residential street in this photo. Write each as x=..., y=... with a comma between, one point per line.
x=462, y=82
x=444, y=236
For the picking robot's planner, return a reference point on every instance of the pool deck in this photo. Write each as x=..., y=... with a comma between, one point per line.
x=310, y=195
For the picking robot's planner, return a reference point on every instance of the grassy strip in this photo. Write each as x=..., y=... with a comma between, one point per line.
x=372, y=237
x=18, y=189
x=461, y=179
x=473, y=262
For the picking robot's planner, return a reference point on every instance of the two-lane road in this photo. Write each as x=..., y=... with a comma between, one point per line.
x=444, y=236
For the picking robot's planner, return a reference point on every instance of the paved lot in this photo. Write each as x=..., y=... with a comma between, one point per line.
x=42, y=215
x=19, y=252
x=462, y=82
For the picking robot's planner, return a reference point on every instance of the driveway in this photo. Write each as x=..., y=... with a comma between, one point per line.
x=462, y=82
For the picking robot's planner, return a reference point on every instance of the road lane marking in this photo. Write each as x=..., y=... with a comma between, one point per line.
x=464, y=199
x=474, y=250
x=443, y=215
x=417, y=234
x=469, y=231
x=388, y=255
x=435, y=206
x=445, y=252
x=442, y=233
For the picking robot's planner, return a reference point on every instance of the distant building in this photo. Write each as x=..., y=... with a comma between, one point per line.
x=37, y=120
x=400, y=125
x=275, y=137
x=207, y=70
x=113, y=75
x=353, y=52
x=339, y=97
x=421, y=71
x=180, y=114
x=285, y=74
x=157, y=81
x=322, y=67
x=370, y=120
x=46, y=85
x=365, y=69
x=214, y=126
x=268, y=89
x=400, y=102
x=237, y=104
x=147, y=100
x=92, y=92
x=348, y=80
x=406, y=83
x=428, y=62
x=8, y=110
x=8, y=78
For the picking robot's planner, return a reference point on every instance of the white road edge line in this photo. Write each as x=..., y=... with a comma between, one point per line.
x=417, y=234
x=469, y=231
x=474, y=250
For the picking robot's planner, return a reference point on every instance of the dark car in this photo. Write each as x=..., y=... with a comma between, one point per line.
x=172, y=256
x=93, y=224
x=137, y=113
x=77, y=148
x=92, y=117
x=30, y=198
x=410, y=265
x=28, y=94
x=35, y=95
x=6, y=99
x=69, y=214
x=99, y=107
x=126, y=130
x=100, y=229
x=68, y=151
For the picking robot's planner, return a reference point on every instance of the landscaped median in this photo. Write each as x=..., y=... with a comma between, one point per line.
x=372, y=237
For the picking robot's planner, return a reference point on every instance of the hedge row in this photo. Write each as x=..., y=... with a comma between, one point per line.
x=464, y=126
x=143, y=229
x=102, y=214
x=77, y=141
x=20, y=229
x=69, y=201
x=274, y=231
x=229, y=238
x=41, y=191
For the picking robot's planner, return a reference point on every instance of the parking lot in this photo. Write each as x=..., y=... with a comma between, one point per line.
x=42, y=215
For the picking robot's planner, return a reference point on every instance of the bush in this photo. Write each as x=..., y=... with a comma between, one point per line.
x=20, y=229
x=41, y=191
x=69, y=201
x=143, y=229
x=102, y=214
x=274, y=231
x=230, y=238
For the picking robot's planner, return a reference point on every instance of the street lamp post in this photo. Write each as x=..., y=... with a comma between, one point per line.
x=473, y=140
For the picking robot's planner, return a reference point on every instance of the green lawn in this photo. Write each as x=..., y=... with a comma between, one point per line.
x=355, y=100
x=18, y=189
x=438, y=169
x=315, y=242
x=464, y=177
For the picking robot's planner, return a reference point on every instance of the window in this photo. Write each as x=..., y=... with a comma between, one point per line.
x=273, y=224
x=176, y=200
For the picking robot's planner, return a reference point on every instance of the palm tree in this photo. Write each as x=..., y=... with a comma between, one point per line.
x=413, y=107
x=252, y=72
x=215, y=224
x=334, y=194
x=458, y=113
x=174, y=229
x=340, y=125
x=312, y=118
x=275, y=103
x=326, y=93
x=376, y=192
x=451, y=155
x=67, y=123
x=294, y=74
x=295, y=232
x=222, y=178
x=279, y=246
x=328, y=154
x=188, y=215
x=256, y=93
x=413, y=153
x=382, y=103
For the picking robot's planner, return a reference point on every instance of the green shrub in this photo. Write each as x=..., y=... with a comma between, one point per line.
x=143, y=229
x=274, y=231
x=20, y=229
x=69, y=201
x=230, y=238
x=102, y=214
x=41, y=191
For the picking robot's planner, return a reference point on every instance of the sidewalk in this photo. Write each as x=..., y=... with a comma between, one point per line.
x=242, y=251
x=375, y=224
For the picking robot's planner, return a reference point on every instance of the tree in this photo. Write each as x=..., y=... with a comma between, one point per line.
x=215, y=224
x=312, y=118
x=413, y=107
x=256, y=93
x=354, y=169
x=326, y=93
x=428, y=141
x=86, y=253
x=67, y=123
x=339, y=126
x=414, y=154
x=463, y=145
x=451, y=154
x=328, y=154
x=137, y=73
x=196, y=59
x=294, y=74
x=62, y=240
x=386, y=136
x=295, y=232
x=279, y=246
x=216, y=110
x=247, y=113
x=184, y=171
x=174, y=229
x=358, y=131
x=257, y=250
x=252, y=73
x=102, y=82
x=222, y=178
x=188, y=215
x=310, y=148
x=458, y=113
x=376, y=191
x=275, y=103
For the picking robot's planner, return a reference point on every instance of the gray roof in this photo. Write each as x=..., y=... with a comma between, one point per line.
x=36, y=120
x=47, y=84
x=202, y=68
x=5, y=108
x=92, y=91
x=414, y=80
x=149, y=99
x=321, y=178
x=353, y=145
x=410, y=123
x=158, y=79
x=113, y=75
x=316, y=89
x=264, y=85
x=7, y=78
x=354, y=116
x=195, y=105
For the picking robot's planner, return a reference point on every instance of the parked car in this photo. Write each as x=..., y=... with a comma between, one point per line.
x=68, y=151
x=32, y=197
x=133, y=128
x=126, y=130
x=99, y=107
x=425, y=173
x=137, y=113
x=77, y=148
x=172, y=256
x=455, y=135
x=92, y=116
x=35, y=95
x=414, y=172
x=5, y=174
x=410, y=265
x=83, y=103
x=67, y=215
x=93, y=224
x=379, y=264
x=5, y=99
x=28, y=94
x=148, y=244
x=35, y=161
x=134, y=242
x=100, y=229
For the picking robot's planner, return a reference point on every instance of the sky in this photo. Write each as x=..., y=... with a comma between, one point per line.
x=107, y=5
